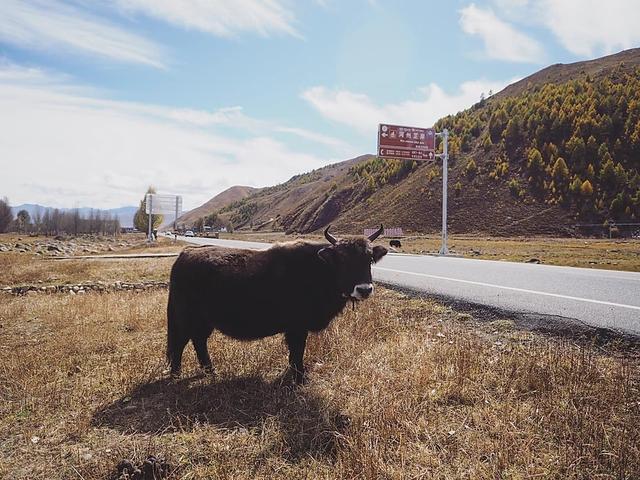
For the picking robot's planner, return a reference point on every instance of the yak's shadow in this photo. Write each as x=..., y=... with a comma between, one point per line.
x=309, y=426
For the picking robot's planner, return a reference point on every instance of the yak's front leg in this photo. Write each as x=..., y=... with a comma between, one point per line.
x=296, y=341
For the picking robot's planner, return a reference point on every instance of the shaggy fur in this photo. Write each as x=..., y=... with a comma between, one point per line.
x=292, y=288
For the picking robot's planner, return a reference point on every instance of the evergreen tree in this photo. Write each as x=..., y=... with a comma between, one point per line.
x=586, y=189
x=23, y=220
x=608, y=173
x=535, y=163
x=6, y=217
x=575, y=185
x=141, y=219
x=513, y=134
x=497, y=122
x=560, y=172
x=471, y=168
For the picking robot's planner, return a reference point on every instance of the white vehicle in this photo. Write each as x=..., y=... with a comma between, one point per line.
x=189, y=233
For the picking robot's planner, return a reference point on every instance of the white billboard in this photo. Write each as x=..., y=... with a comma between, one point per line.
x=163, y=204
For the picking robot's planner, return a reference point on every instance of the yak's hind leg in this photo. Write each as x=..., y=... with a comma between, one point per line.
x=200, y=344
x=175, y=347
x=296, y=341
x=177, y=336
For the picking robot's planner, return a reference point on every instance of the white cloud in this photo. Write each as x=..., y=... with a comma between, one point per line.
x=61, y=146
x=501, y=40
x=586, y=28
x=326, y=140
x=218, y=17
x=360, y=112
x=54, y=26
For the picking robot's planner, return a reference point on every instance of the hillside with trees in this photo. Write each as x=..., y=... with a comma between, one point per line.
x=575, y=144
x=557, y=149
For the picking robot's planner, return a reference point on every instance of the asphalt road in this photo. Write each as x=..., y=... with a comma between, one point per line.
x=597, y=298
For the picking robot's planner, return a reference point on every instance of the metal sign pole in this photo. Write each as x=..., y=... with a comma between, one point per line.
x=400, y=142
x=444, y=250
x=175, y=219
x=150, y=200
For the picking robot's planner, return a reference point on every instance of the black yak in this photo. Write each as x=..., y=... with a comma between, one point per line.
x=291, y=288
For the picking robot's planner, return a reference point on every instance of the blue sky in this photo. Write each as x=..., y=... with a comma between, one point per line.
x=100, y=99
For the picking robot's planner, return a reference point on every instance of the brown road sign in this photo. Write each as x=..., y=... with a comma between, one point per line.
x=395, y=141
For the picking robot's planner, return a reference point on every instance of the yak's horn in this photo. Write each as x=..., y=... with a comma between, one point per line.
x=330, y=238
x=376, y=234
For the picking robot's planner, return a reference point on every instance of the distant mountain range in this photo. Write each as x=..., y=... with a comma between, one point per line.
x=124, y=214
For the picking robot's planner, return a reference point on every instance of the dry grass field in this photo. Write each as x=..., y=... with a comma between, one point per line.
x=399, y=387
x=610, y=254
x=22, y=268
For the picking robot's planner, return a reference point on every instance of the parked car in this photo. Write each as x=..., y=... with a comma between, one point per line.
x=189, y=233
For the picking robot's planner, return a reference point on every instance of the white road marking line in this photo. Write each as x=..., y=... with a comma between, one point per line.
x=515, y=289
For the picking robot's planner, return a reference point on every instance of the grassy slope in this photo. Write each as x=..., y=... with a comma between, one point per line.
x=230, y=195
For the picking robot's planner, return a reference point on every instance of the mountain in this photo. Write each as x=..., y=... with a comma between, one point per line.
x=124, y=214
x=558, y=148
x=229, y=196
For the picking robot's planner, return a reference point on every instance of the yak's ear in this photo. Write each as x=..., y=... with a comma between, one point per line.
x=327, y=254
x=378, y=253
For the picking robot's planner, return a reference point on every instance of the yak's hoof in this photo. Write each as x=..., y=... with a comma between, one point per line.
x=208, y=370
x=173, y=374
x=299, y=378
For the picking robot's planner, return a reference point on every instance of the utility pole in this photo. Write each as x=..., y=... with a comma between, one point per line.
x=444, y=249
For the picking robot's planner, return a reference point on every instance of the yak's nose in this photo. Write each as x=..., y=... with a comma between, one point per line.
x=364, y=290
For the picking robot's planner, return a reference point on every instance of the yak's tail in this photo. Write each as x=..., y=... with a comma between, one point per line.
x=170, y=326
